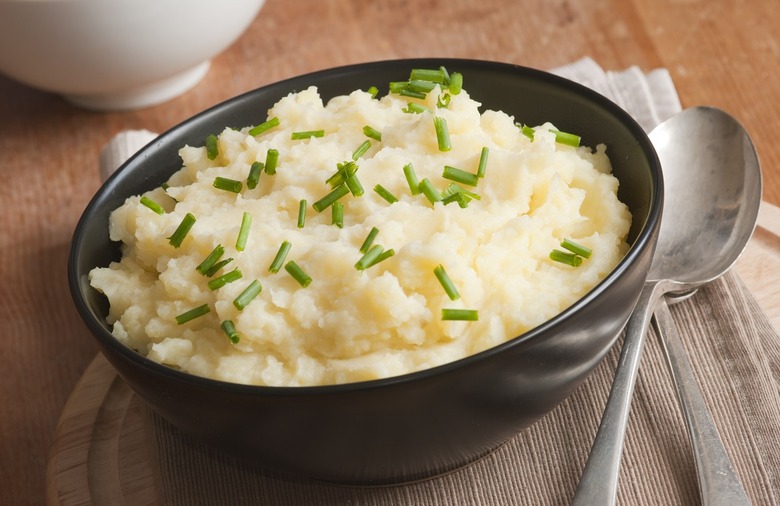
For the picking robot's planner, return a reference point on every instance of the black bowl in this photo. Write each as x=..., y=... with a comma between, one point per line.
x=416, y=425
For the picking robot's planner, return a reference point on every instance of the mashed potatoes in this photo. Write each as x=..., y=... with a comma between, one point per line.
x=493, y=241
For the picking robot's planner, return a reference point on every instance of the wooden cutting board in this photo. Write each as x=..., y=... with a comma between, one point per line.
x=103, y=446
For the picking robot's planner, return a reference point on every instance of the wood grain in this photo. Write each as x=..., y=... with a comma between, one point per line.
x=719, y=52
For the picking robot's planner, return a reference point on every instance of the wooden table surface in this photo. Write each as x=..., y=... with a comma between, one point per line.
x=723, y=53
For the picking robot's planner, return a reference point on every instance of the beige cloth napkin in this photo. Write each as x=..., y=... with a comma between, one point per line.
x=735, y=354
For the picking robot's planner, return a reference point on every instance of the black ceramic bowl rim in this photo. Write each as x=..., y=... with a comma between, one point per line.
x=642, y=241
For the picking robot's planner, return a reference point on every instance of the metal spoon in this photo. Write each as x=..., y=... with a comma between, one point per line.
x=713, y=191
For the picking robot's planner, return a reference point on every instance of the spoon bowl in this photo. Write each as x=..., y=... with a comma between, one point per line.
x=713, y=192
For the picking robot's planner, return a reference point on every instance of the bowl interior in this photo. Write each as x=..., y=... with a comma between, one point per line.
x=532, y=97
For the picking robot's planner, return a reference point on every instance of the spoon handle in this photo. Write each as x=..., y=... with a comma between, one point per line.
x=718, y=481
x=599, y=480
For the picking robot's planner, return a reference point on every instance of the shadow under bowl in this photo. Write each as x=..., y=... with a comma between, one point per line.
x=417, y=425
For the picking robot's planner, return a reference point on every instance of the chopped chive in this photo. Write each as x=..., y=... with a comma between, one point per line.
x=406, y=92
x=151, y=204
x=436, y=76
x=383, y=256
x=302, y=213
x=461, y=198
x=230, y=185
x=566, y=138
x=280, y=256
x=372, y=133
x=385, y=194
x=430, y=191
x=369, y=240
x=420, y=86
x=182, y=230
x=250, y=292
x=243, y=232
x=397, y=86
x=369, y=257
x=211, y=259
x=271, y=160
x=342, y=171
x=337, y=214
x=264, y=127
x=445, y=75
x=224, y=279
x=442, y=133
x=230, y=329
x=456, y=83
x=297, y=273
x=443, y=101
x=307, y=134
x=192, y=314
x=460, y=176
x=577, y=249
x=361, y=150
x=454, y=188
x=527, y=131
x=446, y=282
x=216, y=267
x=471, y=315
x=412, y=108
x=565, y=257
x=483, y=158
x=411, y=179
x=353, y=184
x=212, y=147
x=373, y=90
x=254, y=175
x=330, y=198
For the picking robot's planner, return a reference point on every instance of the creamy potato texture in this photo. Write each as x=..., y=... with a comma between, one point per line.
x=350, y=325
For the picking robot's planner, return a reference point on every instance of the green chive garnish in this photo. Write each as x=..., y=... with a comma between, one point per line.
x=361, y=150
x=383, y=256
x=263, y=127
x=420, y=86
x=413, y=108
x=337, y=214
x=307, y=134
x=192, y=314
x=445, y=75
x=471, y=315
x=442, y=133
x=230, y=329
x=280, y=256
x=369, y=257
x=385, y=194
x=430, y=191
x=250, y=292
x=254, y=175
x=243, y=232
x=443, y=101
x=456, y=83
x=330, y=198
x=151, y=204
x=577, y=249
x=212, y=147
x=411, y=179
x=210, y=260
x=436, y=76
x=343, y=170
x=566, y=138
x=302, y=213
x=271, y=160
x=230, y=185
x=369, y=239
x=446, y=282
x=353, y=184
x=216, y=267
x=527, y=131
x=182, y=230
x=483, y=158
x=297, y=273
x=372, y=133
x=566, y=257
x=373, y=90
x=406, y=92
x=460, y=176
x=224, y=279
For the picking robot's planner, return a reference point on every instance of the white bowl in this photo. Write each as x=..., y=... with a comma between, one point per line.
x=117, y=54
